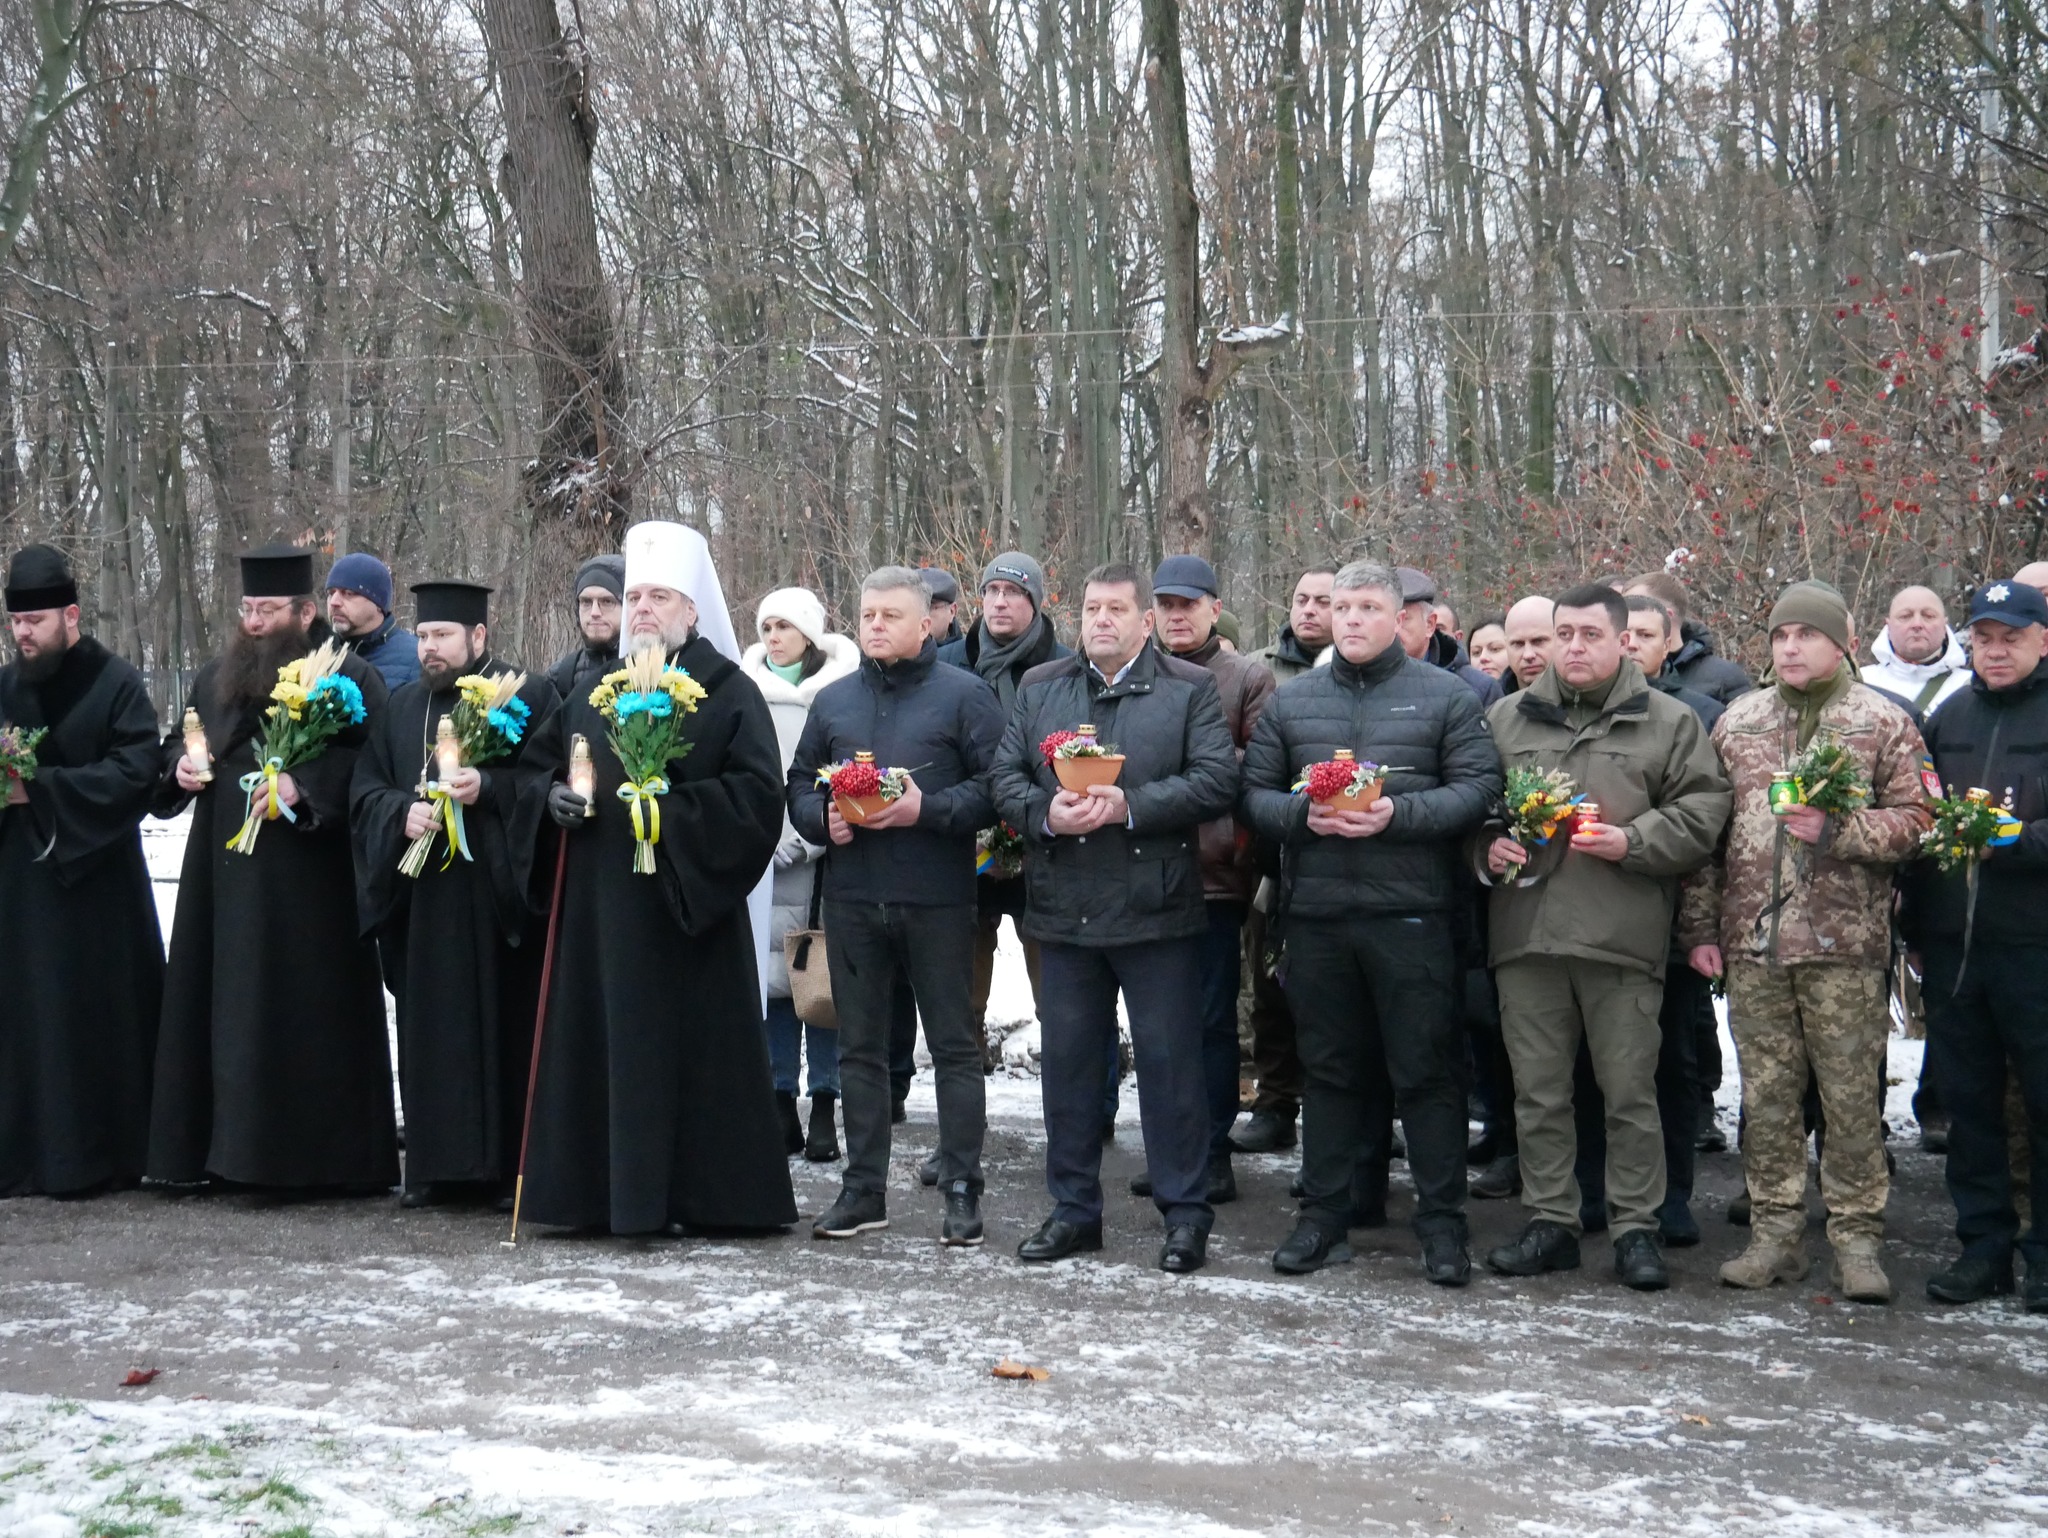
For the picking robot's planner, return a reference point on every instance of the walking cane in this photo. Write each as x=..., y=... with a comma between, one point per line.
x=540, y=1020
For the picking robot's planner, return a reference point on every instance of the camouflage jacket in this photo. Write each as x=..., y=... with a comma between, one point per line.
x=1766, y=894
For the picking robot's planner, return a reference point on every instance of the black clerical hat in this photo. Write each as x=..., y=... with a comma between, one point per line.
x=451, y=603
x=39, y=578
x=277, y=571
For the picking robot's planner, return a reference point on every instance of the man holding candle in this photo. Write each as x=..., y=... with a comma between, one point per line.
x=461, y=945
x=272, y=1063
x=1796, y=913
x=1369, y=900
x=79, y=944
x=1579, y=942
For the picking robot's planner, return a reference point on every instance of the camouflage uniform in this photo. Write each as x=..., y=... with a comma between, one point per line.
x=1805, y=934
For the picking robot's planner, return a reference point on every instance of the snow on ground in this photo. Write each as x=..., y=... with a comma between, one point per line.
x=344, y=1368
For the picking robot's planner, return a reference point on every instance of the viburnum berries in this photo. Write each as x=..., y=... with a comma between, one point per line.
x=1053, y=742
x=854, y=780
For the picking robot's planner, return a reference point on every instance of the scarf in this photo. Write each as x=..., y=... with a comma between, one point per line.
x=790, y=673
x=995, y=659
x=1810, y=701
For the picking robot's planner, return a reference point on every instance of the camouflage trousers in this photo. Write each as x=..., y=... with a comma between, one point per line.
x=1830, y=1017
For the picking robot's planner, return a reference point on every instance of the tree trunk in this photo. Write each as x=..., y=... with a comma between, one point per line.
x=579, y=471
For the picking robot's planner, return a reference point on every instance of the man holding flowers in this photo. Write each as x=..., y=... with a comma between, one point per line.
x=438, y=817
x=1367, y=899
x=654, y=1109
x=272, y=1064
x=79, y=945
x=1980, y=922
x=1795, y=911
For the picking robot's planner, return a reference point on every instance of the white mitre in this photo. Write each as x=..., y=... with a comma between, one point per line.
x=675, y=556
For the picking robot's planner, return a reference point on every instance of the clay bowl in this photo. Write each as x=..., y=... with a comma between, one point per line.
x=1352, y=800
x=1077, y=774
x=858, y=809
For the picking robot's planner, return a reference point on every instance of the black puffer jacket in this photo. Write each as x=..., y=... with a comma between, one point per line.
x=1443, y=774
x=1697, y=667
x=940, y=723
x=1119, y=886
x=577, y=672
x=1996, y=740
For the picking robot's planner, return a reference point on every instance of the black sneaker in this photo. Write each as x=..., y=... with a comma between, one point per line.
x=1264, y=1132
x=1310, y=1248
x=856, y=1212
x=1638, y=1263
x=1544, y=1246
x=962, y=1227
x=1499, y=1180
x=1972, y=1278
x=1445, y=1260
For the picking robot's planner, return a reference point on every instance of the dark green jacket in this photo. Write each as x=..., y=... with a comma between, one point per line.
x=1644, y=758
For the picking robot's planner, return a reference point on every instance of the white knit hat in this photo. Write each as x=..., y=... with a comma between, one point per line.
x=799, y=606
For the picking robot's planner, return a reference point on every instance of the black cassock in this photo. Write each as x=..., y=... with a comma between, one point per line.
x=462, y=945
x=654, y=1102
x=273, y=1066
x=81, y=954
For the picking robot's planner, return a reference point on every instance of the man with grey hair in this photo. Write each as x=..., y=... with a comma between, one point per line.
x=1367, y=908
x=899, y=889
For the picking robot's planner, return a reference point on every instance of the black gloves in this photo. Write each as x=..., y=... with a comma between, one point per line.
x=565, y=806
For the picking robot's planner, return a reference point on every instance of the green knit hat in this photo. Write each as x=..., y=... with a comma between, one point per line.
x=1817, y=604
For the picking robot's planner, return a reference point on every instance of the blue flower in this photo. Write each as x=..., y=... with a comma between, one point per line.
x=344, y=689
x=507, y=724
x=654, y=703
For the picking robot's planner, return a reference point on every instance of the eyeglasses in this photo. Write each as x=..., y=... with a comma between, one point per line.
x=597, y=605
x=266, y=608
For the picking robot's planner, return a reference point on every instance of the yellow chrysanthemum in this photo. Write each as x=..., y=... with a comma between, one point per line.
x=289, y=693
x=682, y=688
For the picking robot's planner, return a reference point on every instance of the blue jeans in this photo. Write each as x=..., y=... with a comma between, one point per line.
x=786, y=1036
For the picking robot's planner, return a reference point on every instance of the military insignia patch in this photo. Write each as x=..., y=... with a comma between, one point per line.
x=1929, y=780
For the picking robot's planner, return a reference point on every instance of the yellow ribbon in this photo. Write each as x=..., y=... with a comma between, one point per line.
x=244, y=841
x=415, y=858
x=647, y=830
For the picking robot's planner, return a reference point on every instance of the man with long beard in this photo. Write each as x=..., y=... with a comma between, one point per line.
x=654, y=1108
x=460, y=943
x=272, y=1064
x=79, y=945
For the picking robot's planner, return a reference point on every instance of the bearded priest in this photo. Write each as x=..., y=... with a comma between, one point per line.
x=654, y=1110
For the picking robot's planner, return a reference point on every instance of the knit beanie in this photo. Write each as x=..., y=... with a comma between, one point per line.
x=798, y=606
x=1817, y=604
x=365, y=574
x=1017, y=567
x=605, y=571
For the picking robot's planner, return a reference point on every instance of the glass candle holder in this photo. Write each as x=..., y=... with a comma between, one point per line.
x=447, y=751
x=583, y=774
x=196, y=748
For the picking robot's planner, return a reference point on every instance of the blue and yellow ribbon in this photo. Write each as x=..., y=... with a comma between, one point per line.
x=415, y=859
x=647, y=827
x=244, y=841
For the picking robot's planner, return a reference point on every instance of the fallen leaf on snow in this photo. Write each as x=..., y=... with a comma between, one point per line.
x=1823, y=1300
x=138, y=1376
x=1695, y=1420
x=1009, y=1369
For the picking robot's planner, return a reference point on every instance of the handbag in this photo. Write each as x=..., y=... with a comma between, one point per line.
x=810, y=980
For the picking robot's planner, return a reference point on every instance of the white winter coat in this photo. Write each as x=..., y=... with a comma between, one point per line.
x=1905, y=680
x=790, y=705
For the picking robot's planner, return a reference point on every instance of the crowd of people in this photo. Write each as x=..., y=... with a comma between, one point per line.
x=616, y=981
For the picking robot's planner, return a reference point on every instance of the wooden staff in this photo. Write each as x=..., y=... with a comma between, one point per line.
x=540, y=1020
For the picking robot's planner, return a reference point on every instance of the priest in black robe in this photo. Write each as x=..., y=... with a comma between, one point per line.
x=461, y=944
x=81, y=955
x=273, y=1066
x=654, y=1107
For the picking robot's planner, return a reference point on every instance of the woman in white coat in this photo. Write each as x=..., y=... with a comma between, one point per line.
x=795, y=658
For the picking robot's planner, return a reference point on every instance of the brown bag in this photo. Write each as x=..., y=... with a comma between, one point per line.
x=810, y=980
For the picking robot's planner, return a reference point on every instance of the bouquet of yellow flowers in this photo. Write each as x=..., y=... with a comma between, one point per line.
x=644, y=703
x=312, y=703
x=1538, y=801
x=484, y=725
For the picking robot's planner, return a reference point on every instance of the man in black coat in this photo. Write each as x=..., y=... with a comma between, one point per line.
x=899, y=891
x=79, y=945
x=600, y=589
x=1372, y=974
x=1985, y=945
x=272, y=1063
x=1691, y=658
x=461, y=944
x=1113, y=895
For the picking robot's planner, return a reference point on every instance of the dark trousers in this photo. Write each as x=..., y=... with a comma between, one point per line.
x=1276, y=1065
x=934, y=947
x=1222, y=971
x=1161, y=986
x=1678, y=1094
x=1493, y=1075
x=1375, y=1002
x=902, y=1034
x=1995, y=1025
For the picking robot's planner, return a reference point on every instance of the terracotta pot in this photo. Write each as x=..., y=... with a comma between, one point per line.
x=858, y=809
x=1077, y=774
x=1352, y=800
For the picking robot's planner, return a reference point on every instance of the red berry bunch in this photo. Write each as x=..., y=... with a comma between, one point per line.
x=855, y=780
x=1330, y=778
x=1053, y=742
